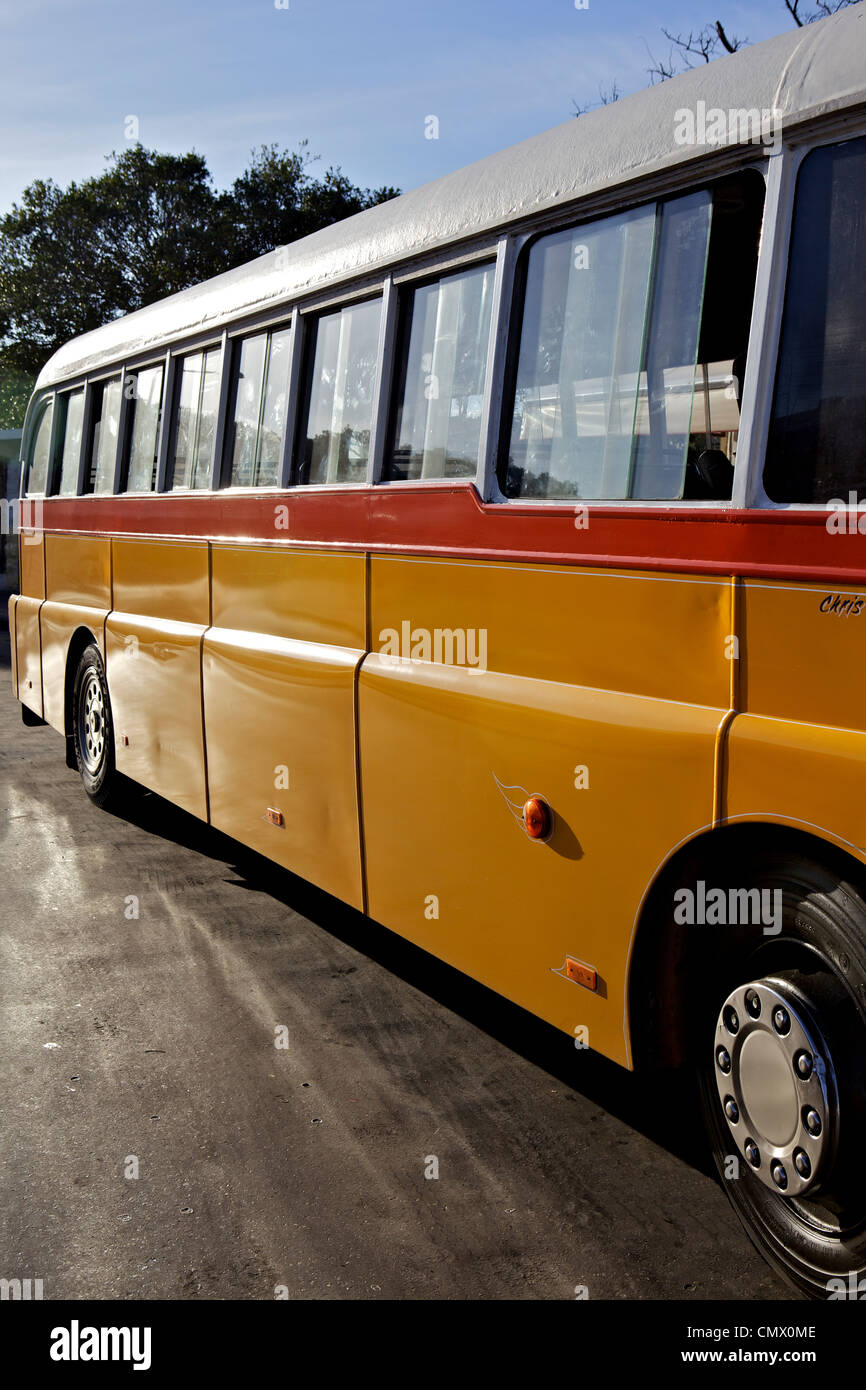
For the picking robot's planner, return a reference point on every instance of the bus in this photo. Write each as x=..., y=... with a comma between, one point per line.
x=494, y=560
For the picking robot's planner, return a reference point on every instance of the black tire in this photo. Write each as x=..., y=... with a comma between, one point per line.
x=93, y=730
x=817, y=962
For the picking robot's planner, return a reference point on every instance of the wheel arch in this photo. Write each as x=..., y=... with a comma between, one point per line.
x=661, y=957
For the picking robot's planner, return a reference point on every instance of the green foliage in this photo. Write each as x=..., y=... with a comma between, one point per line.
x=151, y=224
x=15, y=389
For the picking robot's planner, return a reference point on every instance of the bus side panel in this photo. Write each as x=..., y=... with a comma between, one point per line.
x=28, y=652
x=583, y=701
x=154, y=680
x=448, y=760
x=279, y=694
x=13, y=655
x=280, y=724
x=303, y=595
x=162, y=579
x=78, y=571
x=31, y=558
x=798, y=774
x=58, y=623
x=803, y=650
x=153, y=657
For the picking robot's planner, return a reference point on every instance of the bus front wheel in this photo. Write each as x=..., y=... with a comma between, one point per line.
x=782, y=1063
x=93, y=729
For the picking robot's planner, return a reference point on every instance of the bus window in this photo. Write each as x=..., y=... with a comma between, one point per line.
x=817, y=444
x=72, y=406
x=195, y=421
x=143, y=436
x=103, y=436
x=260, y=391
x=37, y=474
x=633, y=329
x=444, y=332
x=342, y=355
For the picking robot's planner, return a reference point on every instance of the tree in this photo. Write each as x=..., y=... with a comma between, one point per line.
x=710, y=42
x=713, y=41
x=149, y=225
x=276, y=200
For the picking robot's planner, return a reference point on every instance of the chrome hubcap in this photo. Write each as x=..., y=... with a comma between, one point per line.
x=776, y=1085
x=91, y=723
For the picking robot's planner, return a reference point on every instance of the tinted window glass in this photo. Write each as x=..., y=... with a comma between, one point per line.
x=145, y=389
x=443, y=367
x=195, y=420
x=40, y=457
x=342, y=354
x=817, y=444
x=608, y=349
x=73, y=408
x=103, y=436
x=260, y=390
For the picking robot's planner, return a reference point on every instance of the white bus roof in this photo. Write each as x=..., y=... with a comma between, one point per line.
x=801, y=74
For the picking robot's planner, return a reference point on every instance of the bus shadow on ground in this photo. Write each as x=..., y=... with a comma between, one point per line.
x=633, y=1099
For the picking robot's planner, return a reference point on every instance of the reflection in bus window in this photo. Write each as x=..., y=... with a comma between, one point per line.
x=103, y=436
x=342, y=357
x=817, y=445
x=632, y=351
x=195, y=425
x=145, y=408
x=260, y=394
x=610, y=335
x=37, y=477
x=444, y=334
x=73, y=408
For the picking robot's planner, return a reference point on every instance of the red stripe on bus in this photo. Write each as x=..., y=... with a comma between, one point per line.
x=452, y=522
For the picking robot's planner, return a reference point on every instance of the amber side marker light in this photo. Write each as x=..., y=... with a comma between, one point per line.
x=275, y=817
x=538, y=819
x=581, y=974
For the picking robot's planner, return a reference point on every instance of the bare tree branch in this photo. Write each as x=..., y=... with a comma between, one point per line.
x=730, y=45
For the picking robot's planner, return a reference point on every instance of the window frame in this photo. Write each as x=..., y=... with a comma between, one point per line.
x=515, y=287
x=58, y=445
x=35, y=416
x=236, y=335
x=794, y=151
x=399, y=331
x=127, y=422
x=176, y=356
x=303, y=341
x=99, y=380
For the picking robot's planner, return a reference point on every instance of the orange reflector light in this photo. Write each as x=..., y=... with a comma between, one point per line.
x=537, y=818
x=581, y=974
x=275, y=817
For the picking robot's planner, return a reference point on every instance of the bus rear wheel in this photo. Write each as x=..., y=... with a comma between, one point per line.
x=93, y=729
x=782, y=1066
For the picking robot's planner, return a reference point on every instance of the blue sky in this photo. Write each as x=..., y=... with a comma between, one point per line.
x=355, y=77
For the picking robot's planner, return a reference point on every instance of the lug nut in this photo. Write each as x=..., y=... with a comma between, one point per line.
x=780, y=1177
x=804, y=1062
x=781, y=1021
x=732, y=1110
x=753, y=1003
x=724, y=1060
x=802, y=1164
x=813, y=1123
x=753, y=1153
x=732, y=1022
